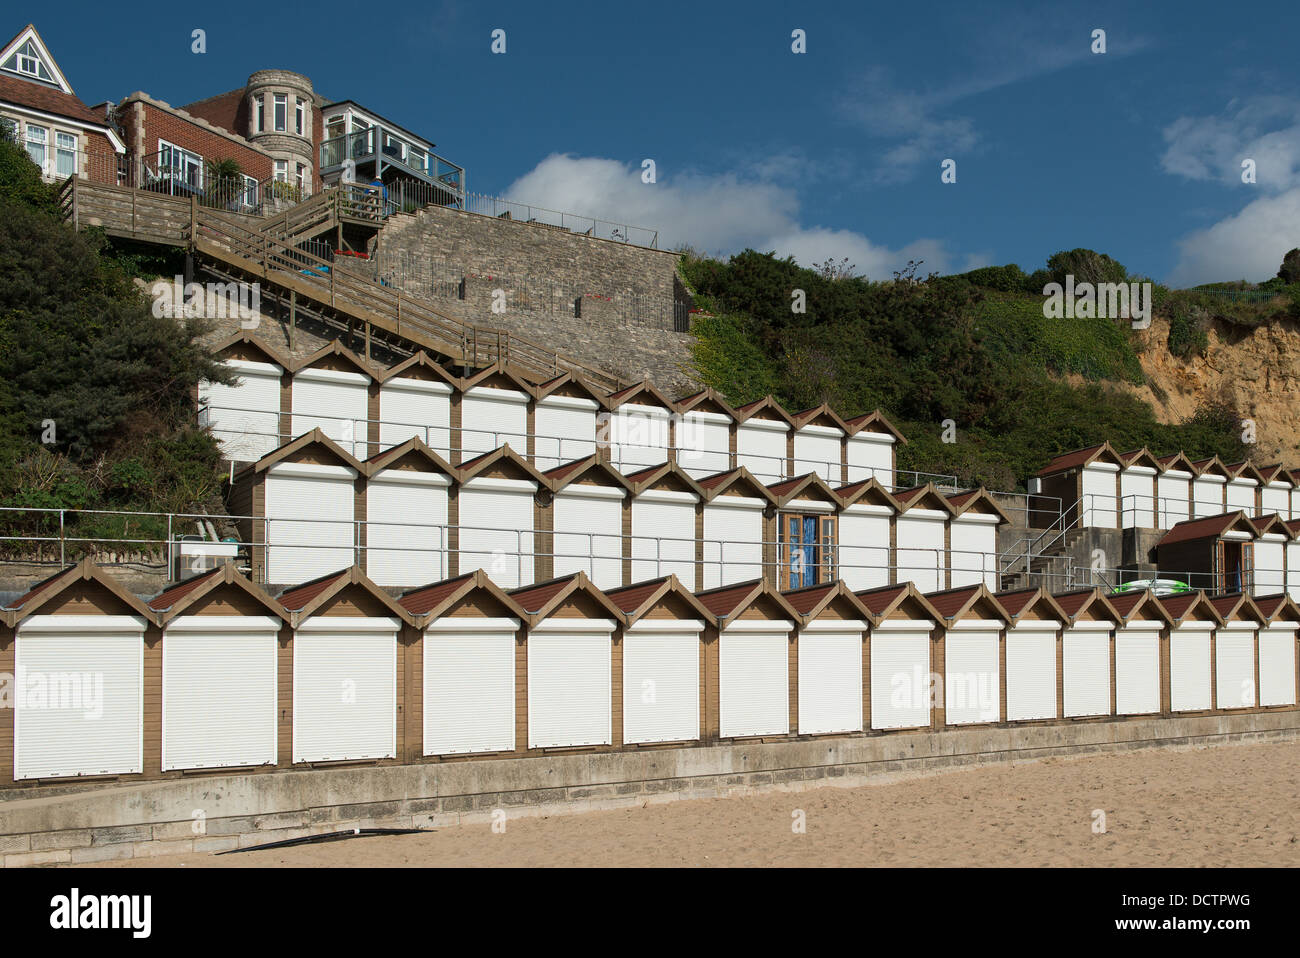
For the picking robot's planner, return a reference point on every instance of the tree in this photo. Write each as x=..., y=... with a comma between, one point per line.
x=832, y=270
x=1290, y=269
x=1086, y=266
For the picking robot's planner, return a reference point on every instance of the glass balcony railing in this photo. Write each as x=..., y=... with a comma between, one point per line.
x=376, y=141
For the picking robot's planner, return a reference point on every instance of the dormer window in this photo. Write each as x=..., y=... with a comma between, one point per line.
x=26, y=60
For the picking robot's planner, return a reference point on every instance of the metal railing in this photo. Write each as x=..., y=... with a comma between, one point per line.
x=572, y=222
x=379, y=143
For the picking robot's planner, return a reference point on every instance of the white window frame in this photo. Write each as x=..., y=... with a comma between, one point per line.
x=43, y=143
x=60, y=151
x=183, y=154
x=282, y=171
x=299, y=116
x=259, y=114
x=280, y=112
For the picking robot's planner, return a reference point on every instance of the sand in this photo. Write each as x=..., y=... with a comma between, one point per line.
x=1234, y=805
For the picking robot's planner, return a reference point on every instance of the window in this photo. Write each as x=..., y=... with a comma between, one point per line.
x=8, y=129
x=299, y=117
x=259, y=115
x=250, y=191
x=281, y=111
x=37, y=138
x=180, y=165
x=65, y=154
x=301, y=177
x=1234, y=566
x=282, y=171
x=27, y=61
x=807, y=550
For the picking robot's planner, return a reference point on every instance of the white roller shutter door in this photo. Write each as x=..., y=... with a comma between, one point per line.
x=733, y=540
x=754, y=678
x=1270, y=576
x=345, y=689
x=491, y=418
x=830, y=677
x=663, y=536
x=588, y=525
x=900, y=674
x=220, y=678
x=760, y=448
x=661, y=681
x=971, y=673
x=1100, y=484
x=309, y=528
x=1277, y=676
x=1293, y=570
x=639, y=436
x=1137, y=488
x=566, y=430
x=870, y=455
x=415, y=409
x=1207, y=497
x=921, y=554
x=1137, y=668
x=569, y=683
x=817, y=449
x=78, y=696
x=1086, y=661
x=406, y=532
x=469, y=685
x=1234, y=653
x=1242, y=495
x=337, y=403
x=496, y=529
x=1174, y=492
x=1031, y=671
x=245, y=418
x=1189, y=668
x=973, y=551
x=864, y=546
x=703, y=443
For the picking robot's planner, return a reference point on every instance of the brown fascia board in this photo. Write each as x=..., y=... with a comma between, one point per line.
x=733, y=476
x=245, y=338
x=1239, y=469
x=670, y=585
x=577, y=582
x=227, y=575
x=1199, y=602
x=654, y=474
x=798, y=488
x=335, y=348
x=906, y=590
x=764, y=588
x=1147, y=601
x=855, y=491
x=927, y=492
x=977, y=496
x=1135, y=457
x=497, y=369
x=807, y=416
x=384, y=459
x=542, y=390
x=350, y=577
x=1213, y=464
x=468, y=470
x=858, y=423
x=1078, y=458
x=306, y=439
x=708, y=395
x=421, y=360
x=750, y=410
x=84, y=571
x=470, y=582
x=1040, y=597
x=633, y=394
x=593, y=463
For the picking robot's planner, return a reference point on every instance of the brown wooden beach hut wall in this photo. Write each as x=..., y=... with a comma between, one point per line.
x=662, y=668
x=347, y=661
x=1215, y=553
x=905, y=628
x=466, y=673
x=85, y=656
x=1031, y=662
x=831, y=659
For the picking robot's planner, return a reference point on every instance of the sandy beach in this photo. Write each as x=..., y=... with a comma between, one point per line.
x=1232, y=805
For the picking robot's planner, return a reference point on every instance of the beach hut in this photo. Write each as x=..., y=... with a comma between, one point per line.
x=972, y=624
x=1139, y=631
x=415, y=403
x=734, y=528
x=1137, y=489
x=1236, y=676
x=1272, y=537
x=331, y=392
x=496, y=516
x=755, y=645
x=221, y=658
x=1278, y=678
x=866, y=534
x=1209, y=484
x=1192, y=622
x=807, y=531
x=819, y=435
x=832, y=649
x=1293, y=560
x=973, y=539
x=407, y=489
x=1087, y=643
x=871, y=450
x=245, y=416
x=901, y=682
x=494, y=412
x=1215, y=553
x=1032, y=651
x=77, y=666
x=1174, y=490
x=1275, y=494
x=588, y=501
x=663, y=661
x=666, y=524
x=1244, y=483
x=763, y=431
x=346, y=668
x=1088, y=477
x=463, y=673
x=570, y=688
x=565, y=412
x=638, y=427
x=920, y=533
x=703, y=433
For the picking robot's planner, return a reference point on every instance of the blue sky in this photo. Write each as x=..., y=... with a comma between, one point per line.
x=835, y=152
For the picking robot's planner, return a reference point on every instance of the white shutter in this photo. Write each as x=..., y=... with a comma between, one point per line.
x=1207, y=497
x=870, y=455
x=733, y=540
x=1031, y=671
x=1086, y=665
x=830, y=677
x=566, y=430
x=1270, y=576
x=78, y=696
x=1241, y=495
x=817, y=449
x=1275, y=497
x=569, y=683
x=245, y=417
x=864, y=546
x=491, y=418
x=971, y=673
x=1173, y=490
x=1189, y=668
x=1137, y=488
x=588, y=533
x=760, y=448
x=900, y=674
x=1100, y=483
x=469, y=685
x=703, y=443
x=496, y=529
x=309, y=528
x=639, y=436
x=661, y=681
x=1137, y=668
x=406, y=531
x=1234, y=654
x=663, y=536
x=973, y=551
x=1293, y=570
x=754, y=679
x=337, y=403
x=219, y=686
x=1277, y=678
x=920, y=548
x=415, y=408
x=345, y=689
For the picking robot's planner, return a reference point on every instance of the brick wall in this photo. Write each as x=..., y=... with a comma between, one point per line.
x=146, y=124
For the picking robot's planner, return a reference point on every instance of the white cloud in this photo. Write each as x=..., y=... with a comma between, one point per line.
x=718, y=214
x=1248, y=245
x=1209, y=148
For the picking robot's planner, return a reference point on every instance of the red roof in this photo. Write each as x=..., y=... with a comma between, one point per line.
x=722, y=602
x=169, y=597
x=564, y=469
x=38, y=588
x=1068, y=460
x=1224, y=604
x=1126, y=602
x=1013, y=603
x=420, y=601
x=806, y=599
x=629, y=598
x=950, y=601
x=717, y=479
x=1072, y=602
x=48, y=100
x=534, y=597
x=1177, y=605
x=646, y=473
x=905, y=496
x=300, y=596
x=1191, y=529
x=878, y=600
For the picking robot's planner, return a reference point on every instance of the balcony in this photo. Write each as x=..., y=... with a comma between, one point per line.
x=382, y=148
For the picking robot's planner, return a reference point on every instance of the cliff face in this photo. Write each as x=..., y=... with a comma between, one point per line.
x=1259, y=369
